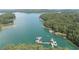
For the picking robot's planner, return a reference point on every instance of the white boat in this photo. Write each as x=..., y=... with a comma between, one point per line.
x=38, y=40
x=53, y=43
x=52, y=40
x=50, y=31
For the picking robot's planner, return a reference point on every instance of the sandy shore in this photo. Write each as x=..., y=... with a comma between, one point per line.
x=8, y=27
x=56, y=33
x=62, y=34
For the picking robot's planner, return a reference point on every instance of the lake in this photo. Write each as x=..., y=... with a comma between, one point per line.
x=28, y=27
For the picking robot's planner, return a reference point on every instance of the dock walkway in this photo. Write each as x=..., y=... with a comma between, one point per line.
x=51, y=42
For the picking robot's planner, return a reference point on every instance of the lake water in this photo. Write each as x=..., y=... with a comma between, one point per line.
x=28, y=27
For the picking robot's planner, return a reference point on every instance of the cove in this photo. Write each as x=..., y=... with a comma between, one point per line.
x=28, y=27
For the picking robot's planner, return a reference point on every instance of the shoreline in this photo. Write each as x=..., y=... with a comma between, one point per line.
x=56, y=33
x=7, y=26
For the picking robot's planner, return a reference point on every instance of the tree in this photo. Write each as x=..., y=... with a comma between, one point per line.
x=6, y=18
x=66, y=23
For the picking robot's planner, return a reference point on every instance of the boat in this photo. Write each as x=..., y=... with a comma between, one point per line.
x=38, y=40
x=53, y=43
x=51, y=31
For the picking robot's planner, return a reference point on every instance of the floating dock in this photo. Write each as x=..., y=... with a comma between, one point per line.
x=51, y=42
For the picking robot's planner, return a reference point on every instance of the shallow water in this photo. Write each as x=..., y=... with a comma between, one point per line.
x=28, y=27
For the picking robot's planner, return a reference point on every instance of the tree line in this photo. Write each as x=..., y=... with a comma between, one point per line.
x=6, y=18
x=67, y=23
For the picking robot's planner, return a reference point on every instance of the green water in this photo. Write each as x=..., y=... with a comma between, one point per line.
x=28, y=27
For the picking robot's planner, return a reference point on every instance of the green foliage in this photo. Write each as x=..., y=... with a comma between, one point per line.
x=67, y=23
x=73, y=33
x=23, y=47
x=6, y=18
x=29, y=47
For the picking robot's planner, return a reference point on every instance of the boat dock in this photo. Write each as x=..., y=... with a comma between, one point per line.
x=51, y=42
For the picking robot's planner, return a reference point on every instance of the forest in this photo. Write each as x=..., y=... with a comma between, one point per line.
x=6, y=18
x=65, y=23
